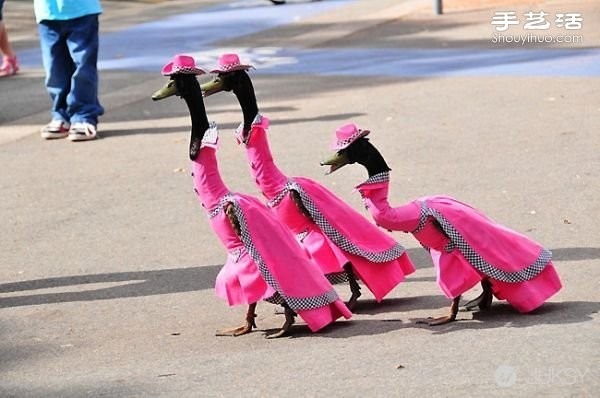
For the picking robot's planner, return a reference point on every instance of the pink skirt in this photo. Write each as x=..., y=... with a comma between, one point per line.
x=380, y=278
x=529, y=295
x=322, y=251
x=455, y=276
x=317, y=319
x=239, y=281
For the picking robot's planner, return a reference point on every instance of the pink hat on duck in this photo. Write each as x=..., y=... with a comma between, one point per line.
x=182, y=64
x=346, y=135
x=230, y=63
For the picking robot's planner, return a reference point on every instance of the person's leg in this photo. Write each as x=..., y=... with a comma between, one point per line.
x=5, y=47
x=59, y=68
x=83, y=103
x=9, y=64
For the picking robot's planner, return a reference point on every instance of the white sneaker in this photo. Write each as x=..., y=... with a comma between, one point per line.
x=82, y=131
x=55, y=129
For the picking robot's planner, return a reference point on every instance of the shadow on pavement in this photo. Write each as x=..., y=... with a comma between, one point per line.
x=501, y=316
x=398, y=304
x=504, y=315
x=144, y=283
x=343, y=329
x=575, y=253
x=178, y=280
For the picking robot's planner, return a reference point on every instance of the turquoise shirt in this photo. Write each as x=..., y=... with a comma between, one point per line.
x=53, y=10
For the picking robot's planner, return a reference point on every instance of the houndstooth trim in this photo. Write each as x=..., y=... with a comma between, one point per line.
x=479, y=263
x=332, y=233
x=279, y=197
x=384, y=176
x=233, y=67
x=449, y=247
x=422, y=218
x=219, y=207
x=336, y=278
x=239, y=132
x=295, y=303
x=347, y=141
x=185, y=70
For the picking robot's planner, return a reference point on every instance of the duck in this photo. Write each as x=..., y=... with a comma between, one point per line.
x=261, y=251
x=514, y=268
x=342, y=242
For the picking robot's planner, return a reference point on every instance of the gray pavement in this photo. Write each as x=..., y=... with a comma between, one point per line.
x=107, y=262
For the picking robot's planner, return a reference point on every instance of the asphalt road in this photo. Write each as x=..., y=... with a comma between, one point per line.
x=107, y=262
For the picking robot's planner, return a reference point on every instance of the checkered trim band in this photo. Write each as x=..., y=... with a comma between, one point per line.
x=347, y=141
x=457, y=241
x=187, y=70
x=295, y=303
x=219, y=208
x=336, y=237
x=337, y=278
x=422, y=218
x=384, y=176
x=237, y=65
x=449, y=247
x=239, y=132
x=279, y=197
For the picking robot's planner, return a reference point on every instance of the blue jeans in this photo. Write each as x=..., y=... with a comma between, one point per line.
x=70, y=55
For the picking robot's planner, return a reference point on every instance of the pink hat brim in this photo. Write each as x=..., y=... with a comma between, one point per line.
x=235, y=68
x=169, y=70
x=338, y=146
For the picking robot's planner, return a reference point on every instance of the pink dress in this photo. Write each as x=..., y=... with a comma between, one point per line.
x=335, y=233
x=473, y=246
x=266, y=262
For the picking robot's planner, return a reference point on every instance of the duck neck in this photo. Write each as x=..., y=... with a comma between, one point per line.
x=208, y=184
x=195, y=104
x=372, y=160
x=247, y=99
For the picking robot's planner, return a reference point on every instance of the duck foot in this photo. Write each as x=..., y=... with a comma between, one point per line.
x=444, y=319
x=239, y=331
x=484, y=300
x=438, y=321
x=289, y=321
x=354, y=287
x=244, y=329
